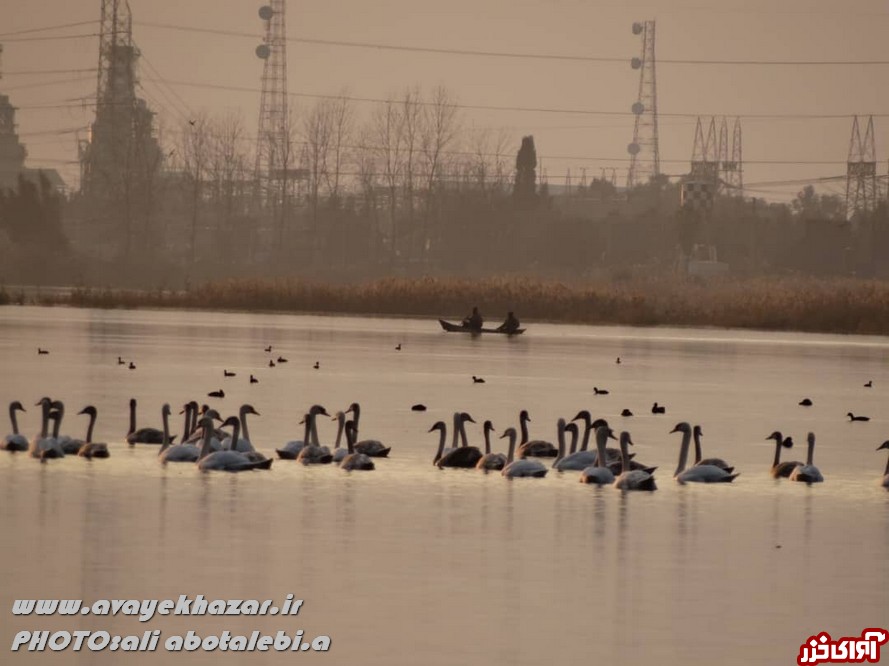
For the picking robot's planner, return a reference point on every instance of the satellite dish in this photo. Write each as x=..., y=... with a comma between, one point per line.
x=638, y=108
x=263, y=52
x=633, y=148
x=266, y=13
x=637, y=28
x=636, y=63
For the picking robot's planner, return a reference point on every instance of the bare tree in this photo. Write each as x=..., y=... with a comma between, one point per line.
x=227, y=169
x=439, y=130
x=317, y=133
x=341, y=114
x=194, y=155
x=388, y=146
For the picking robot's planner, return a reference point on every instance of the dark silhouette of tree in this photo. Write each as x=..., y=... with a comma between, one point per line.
x=525, y=190
x=31, y=214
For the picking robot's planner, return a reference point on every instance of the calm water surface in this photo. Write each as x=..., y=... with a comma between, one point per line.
x=412, y=565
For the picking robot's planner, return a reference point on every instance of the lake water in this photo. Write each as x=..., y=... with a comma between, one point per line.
x=411, y=565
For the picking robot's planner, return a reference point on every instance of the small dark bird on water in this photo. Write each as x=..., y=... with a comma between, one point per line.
x=226, y=373
x=317, y=365
x=281, y=359
x=618, y=360
x=477, y=380
x=216, y=394
x=852, y=417
x=120, y=361
x=269, y=348
x=419, y=407
x=658, y=409
x=598, y=391
x=626, y=412
x=805, y=402
x=398, y=347
x=42, y=351
x=271, y=363
x=870, y=383
x=132, y=366
x=253, y=380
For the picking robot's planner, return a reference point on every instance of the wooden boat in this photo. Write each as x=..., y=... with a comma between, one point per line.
x=460, y=328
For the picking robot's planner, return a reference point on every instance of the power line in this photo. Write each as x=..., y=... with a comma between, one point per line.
x=512, y=54
x=48, y=28
x=49, y=39
x=38, y=72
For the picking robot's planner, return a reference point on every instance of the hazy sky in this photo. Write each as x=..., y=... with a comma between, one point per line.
x=799, y=30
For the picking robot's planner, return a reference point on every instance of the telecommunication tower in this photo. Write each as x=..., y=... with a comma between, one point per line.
x=644, y=154
x=272, y=147
x=705, y=154
x=861, y=171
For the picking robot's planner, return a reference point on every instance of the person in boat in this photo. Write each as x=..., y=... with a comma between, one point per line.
x=511, y=325
x=474, y=321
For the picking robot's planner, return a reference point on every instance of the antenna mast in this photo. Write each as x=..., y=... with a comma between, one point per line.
x=644, y=153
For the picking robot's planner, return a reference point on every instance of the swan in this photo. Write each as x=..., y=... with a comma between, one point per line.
x=582, y=459
x=782, y=469
x=537, y=447
x=340, y=452
x=632, y=479
x=226, y=461
x=143, y=435
x=355, y=461
x=196, y=432
x=292, y=448
x=89, y=448
x=490, y=461
x=699, y=473
x=612, y=455
x=808, y=473
x=42, y=446
x=885, y=480
x=658, y=409
x=187, y=452
x=70, y=445
x=716, y=462
x=521, y=467
x=458, y=456
x=460, y=419
x=596, y=472
x=371, y=447
x=15, y=441
x=313, y=453
x=244, y=445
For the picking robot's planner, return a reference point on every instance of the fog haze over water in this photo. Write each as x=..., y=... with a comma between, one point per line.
x=410, y=564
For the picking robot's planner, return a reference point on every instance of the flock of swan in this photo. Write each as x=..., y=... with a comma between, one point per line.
x=207, y=445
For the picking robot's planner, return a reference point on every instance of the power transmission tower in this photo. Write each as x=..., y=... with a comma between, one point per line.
x=644, y=154
x=273, y=150
x=861, y=171
x=733, y=166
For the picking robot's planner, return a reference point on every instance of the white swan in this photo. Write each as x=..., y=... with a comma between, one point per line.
x=355, y=461
x=699, y=473
x=313, y=453
x=632, y=479
x=521, y=467
x=599, y=473
x=371, y=447
x=226, y=461
x=490, y=461
x=459, y=456
x=716, y=462
x=42, y=446
x=69, y=444
x=612, y=455
x=142, y=435
x=537, y=447
x=196, y=436
x=179, y=453
x=808, y=473
x=89, y=448
x=15, y=441
x=885, y=480
x=244, y=444
x=782, y=469
x=581, y=459
x=291, y=449
x=340, y=452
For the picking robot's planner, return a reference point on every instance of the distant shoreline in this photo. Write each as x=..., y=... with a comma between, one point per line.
x=825, y=305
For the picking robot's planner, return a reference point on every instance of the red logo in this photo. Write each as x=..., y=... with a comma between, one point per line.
x=821, y=649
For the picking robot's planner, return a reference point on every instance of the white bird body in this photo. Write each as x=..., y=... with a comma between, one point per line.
x=490, y=461
x=227, y=461
x=292, y=449
x=808, y=473
x=697, y=473
x=175, y=453
x=15, y=441
x=520, y=468
x=354, y=461
x=42, y=446
x=632, y=479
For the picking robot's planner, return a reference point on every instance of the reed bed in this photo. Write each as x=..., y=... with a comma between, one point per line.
x=841, y=305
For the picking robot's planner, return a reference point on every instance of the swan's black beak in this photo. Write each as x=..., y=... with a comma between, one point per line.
x=884, y=445
x=611, y=434
x=503, y=435
x=674, y=430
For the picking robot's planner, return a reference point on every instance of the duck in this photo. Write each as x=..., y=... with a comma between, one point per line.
x=537, y=448
x=313, y=453
x=42, y=352
x=698, y=473
x=658, y=409
x=522, y=467
x=626, y=412
x=15, y=441
x=805, y=402
x=90, y=449
x=885, y=480
x=371, y=447
x=253, y=380
x=42, y=446
x=355, y=461
x=807, y=473
x=317, y=365
x=143, y=435
x=271, y=363
x=782, y=469
x=597, y=472
x=419, y=407
x=132, y=365
x=717, y=462
x=268, y=349
x=598, y=391
x=477, y=380
x=852, y=417
x=226, y=373
x=226, y=461
x=490, y=461
x=188, y=451
x=869, y=384
x=281, y=359
x=291, y=449
x=120, y=361
x=398, y=347
x=632, y=479
x=216, y=394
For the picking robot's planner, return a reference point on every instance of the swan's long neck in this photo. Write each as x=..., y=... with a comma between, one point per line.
x=89, y=428
x=886, y=471
x=683, y=452
x=463, y=438
x=44, y=420
x=205, y=444
x=186, y=424
x=166, y=420
x=456, y=433
x=601, y=438
x=243, y=415
x=307, y=430
x=341, y=424
x=624, y=455
x=778, y=441
x=560, y=435
x=314, y=430
x=511, y=455
x=15, y=423
x=487, y=441
x=587, y=429
x=60, y=411
x=441, y=442
x=811, y=454
x=236, y=433
x=524, y=426
x=132, y=418
x=194, y=419
x=698, y=453
x=56, y=426
x=356, y=415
